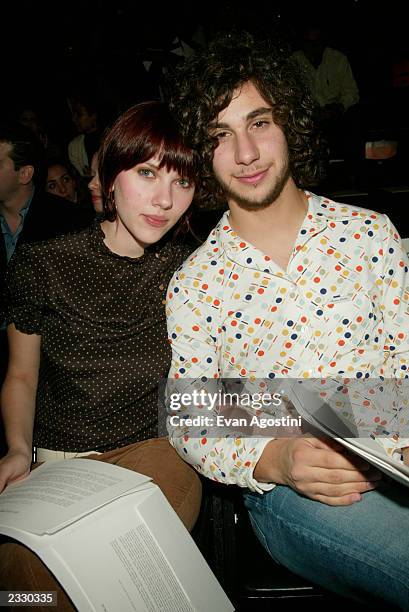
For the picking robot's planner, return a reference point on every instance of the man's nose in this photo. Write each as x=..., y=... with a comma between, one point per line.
x=246, y=151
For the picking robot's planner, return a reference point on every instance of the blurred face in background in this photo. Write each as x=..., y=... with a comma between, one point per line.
x=61, y=183
x=30, y=119
x=85, y=121
x=95, y=187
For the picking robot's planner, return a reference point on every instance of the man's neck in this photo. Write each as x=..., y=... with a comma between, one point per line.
x=12, y=205
x=274, y=229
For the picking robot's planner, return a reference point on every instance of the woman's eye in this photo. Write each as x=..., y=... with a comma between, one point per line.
x=67, y=179
x=145, y=172
x=51, y=186
x=185, y=183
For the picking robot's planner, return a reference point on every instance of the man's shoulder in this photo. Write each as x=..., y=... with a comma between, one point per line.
x=42, y=200
x=334, y=55
x=76, y=142
x=44, y=248
x=49, y=216
x=205, y=257
x=368, y=227
x=335, y=210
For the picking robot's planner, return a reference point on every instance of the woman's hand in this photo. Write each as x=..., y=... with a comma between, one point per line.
x=405, y=453
x=14, y=466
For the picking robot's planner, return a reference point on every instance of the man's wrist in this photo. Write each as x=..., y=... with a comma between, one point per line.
x=268, y=466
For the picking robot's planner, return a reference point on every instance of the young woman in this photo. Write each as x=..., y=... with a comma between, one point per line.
x=87, y=328
x=61, y=180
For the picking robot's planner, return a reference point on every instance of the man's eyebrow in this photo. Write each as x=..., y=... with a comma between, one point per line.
x=263, y=110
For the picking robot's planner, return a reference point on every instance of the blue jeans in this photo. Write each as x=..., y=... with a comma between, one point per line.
x=359, y=551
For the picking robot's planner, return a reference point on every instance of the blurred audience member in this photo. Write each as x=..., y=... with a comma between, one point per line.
x=330, y=79
x=327, y=71
x=27, y=212
x=61, y=180
x=30, y=117
x=94, y=186
x=82, y=147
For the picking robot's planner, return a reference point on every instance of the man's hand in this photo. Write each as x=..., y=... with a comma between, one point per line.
x=318, y=469
x=405, y=453
x=14, y=466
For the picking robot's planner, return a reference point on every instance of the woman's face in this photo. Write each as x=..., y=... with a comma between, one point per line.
x=95, y=186
x=60, y=183
x=149, y=201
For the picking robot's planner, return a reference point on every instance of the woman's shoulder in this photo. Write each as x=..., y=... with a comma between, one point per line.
x=175, y=252
x=44, y=249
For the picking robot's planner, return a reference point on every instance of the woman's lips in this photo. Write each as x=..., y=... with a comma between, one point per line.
x=155, y=221
x=252, y=179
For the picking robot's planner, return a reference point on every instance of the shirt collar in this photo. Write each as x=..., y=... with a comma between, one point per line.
x=248, y=255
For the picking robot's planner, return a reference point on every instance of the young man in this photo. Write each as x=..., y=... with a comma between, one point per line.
x=289, y=284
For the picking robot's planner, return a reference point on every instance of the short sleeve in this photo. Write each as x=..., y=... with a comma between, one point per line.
x=24, y=303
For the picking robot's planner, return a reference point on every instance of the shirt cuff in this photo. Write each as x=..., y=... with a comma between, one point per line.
x=251, y=482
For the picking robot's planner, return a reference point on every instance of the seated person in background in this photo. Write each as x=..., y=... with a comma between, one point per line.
x=87, y=329
x=94, y=186
x=27, y=212
x=31, y=118
x=61, y=180
x=64, y=181
x=289, y=285
x=82, y=147
x=332, y=85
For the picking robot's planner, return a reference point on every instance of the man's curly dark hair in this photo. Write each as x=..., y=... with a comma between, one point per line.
x=204, y=85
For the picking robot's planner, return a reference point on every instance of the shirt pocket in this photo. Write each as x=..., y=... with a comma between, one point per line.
x=349, y=319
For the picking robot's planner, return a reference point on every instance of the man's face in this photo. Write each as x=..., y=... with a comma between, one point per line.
x=84, y=121
x=251, y=160
x=9, y=176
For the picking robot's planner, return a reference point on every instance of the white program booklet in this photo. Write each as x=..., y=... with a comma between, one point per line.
x=321, y=416
x=111, y=539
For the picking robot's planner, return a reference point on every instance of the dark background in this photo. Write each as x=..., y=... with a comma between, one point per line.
x=51, y=48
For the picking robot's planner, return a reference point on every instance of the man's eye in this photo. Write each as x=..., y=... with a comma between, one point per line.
x=221, y=135
x=67, y=179
x=261, y=123
x=51, y=186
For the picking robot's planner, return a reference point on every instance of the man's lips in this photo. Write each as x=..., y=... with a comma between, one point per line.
x=155, y=221
x=252, y=178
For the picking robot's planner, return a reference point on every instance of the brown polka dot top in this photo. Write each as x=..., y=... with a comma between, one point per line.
x=104, y=345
